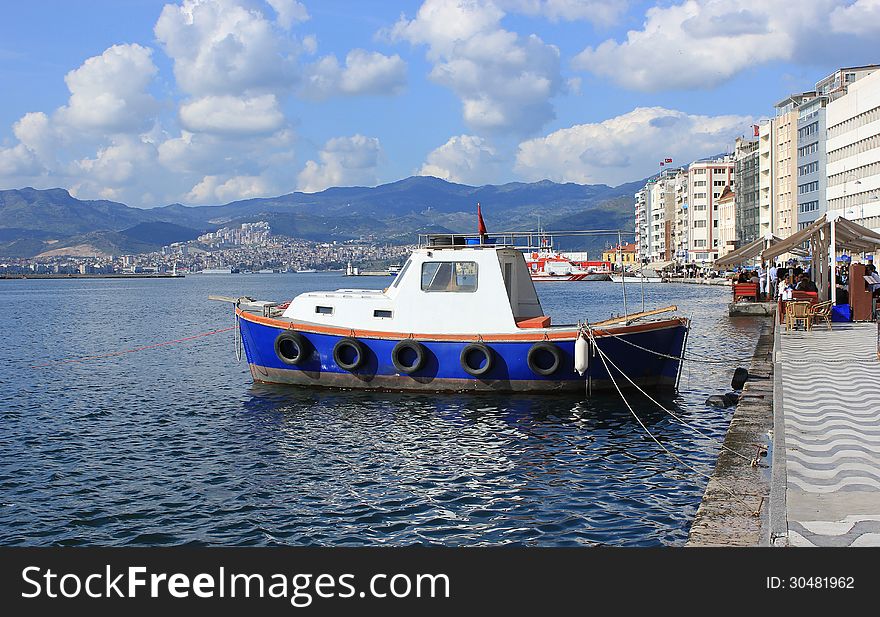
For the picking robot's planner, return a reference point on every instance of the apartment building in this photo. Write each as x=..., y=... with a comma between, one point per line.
x=767, y=177
x=643, y=238
x=706, y=181
x=853, y=150
x=811, y=176
x=786, y=134
x=746, y=178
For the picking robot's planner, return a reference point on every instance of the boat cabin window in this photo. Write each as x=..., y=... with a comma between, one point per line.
x=401, y=273
x=382, y=313
x=324, y=310
x=458, y=276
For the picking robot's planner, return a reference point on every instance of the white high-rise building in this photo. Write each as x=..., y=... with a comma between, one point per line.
x=767, y=178
x=643, y=237
x=706, y=181
x=853, y=151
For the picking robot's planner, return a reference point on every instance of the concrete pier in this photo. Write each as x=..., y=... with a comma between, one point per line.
x=751, y=309
x=826, y=469
x=734, y=507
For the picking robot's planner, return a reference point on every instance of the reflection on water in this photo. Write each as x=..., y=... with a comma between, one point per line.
x=177, y=445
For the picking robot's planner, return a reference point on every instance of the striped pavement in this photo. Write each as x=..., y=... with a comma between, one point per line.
x=831, y=417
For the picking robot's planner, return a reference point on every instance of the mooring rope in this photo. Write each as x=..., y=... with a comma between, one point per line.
x=133, y=350
x=669, y=411
x=682, y=357
x=603, y=357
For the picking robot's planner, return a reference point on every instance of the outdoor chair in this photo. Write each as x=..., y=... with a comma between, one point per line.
x=796, y=312
x=745, y=291
x=821, y=312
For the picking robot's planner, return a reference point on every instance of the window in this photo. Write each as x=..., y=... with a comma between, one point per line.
x=699, y=183
x=809, y=206
x=809, y=187
x=719, y=170
x=400, y=274
x=809, y=149
x=699, y=223
x=324, y=310
x=699, y=244
x=715, y=223
x=457, y=276
x=383, y=314
x=719, y=183
x=809, y=168
x=700, y=171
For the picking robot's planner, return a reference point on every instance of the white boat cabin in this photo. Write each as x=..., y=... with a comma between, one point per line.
x=472, y=289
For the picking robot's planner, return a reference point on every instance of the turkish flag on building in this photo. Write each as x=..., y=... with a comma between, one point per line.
x=756, y=128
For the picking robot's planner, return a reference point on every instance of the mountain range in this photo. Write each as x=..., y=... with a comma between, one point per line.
x=52, y=222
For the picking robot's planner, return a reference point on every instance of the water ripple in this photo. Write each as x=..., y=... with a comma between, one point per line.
x=176, y=446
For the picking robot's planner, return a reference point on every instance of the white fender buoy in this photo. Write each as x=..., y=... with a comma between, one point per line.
x=581, y=354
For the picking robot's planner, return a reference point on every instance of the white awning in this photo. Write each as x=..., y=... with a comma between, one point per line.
x=747, y=252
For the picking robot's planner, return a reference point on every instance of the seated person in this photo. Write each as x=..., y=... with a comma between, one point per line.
x=806, y=284
x=785, y=289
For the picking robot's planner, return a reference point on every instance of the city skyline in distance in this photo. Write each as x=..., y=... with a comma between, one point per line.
x=152, y=103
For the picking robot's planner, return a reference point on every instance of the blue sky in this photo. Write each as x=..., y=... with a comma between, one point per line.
x=208, y=101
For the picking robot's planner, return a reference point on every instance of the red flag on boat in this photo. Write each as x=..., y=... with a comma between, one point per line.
x=481, y=226
x=662, y=163
x=668, y=160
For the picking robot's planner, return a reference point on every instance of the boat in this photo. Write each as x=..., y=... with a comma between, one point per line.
x=224, y=270
x=646, y=276
x=547, y=264
x=306, y=271
x=461, y=315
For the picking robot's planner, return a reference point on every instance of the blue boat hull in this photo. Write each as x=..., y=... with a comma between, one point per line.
x=443, y=371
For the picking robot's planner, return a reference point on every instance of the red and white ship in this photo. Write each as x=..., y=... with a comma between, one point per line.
x=547, y=264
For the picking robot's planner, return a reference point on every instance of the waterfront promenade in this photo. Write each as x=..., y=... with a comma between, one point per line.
x=825, y=487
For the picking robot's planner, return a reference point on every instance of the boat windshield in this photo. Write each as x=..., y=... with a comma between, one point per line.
x=401, y=273
x=457, y=276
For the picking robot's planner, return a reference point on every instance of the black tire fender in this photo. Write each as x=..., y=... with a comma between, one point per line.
x=292, y=348
x=349, y=343
x=416, y=347
x=541, y=347
x=481, y=348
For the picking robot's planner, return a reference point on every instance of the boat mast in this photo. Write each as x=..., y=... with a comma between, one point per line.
x=622, y=272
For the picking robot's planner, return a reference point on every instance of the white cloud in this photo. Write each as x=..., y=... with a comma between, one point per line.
x=466, y=159
x=35, y=131
x=364, y=73
x=627, y=147
x=258, y=115
x=601, y=12
x=345, y=161
x=220, y=47
x=108, y=93
x=289, y=12
x=216, y=189
x=118, y=163
x=861, y=18
x=18, y=162
x=701, y=43
x=504, y=81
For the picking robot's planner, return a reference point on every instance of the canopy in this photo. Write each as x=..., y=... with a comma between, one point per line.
x=826, y=236
x=747, y=252
x=849, y=236
x=660, y=265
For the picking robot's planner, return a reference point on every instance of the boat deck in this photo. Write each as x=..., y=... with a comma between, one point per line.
x=826, y=479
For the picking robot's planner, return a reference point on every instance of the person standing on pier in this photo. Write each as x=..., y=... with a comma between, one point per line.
x=771, y=281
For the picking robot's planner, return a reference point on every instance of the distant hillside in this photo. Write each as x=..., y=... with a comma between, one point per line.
x=35, y=221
